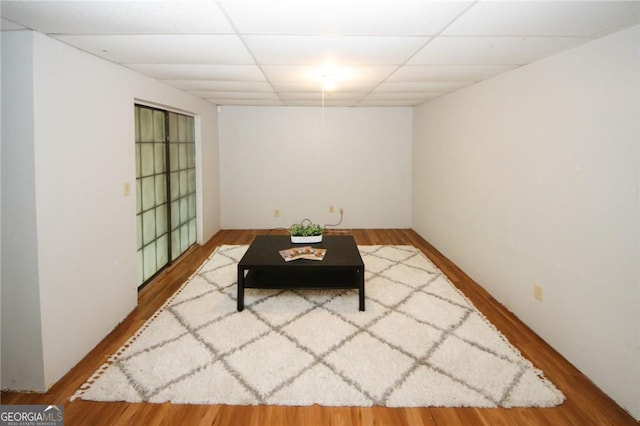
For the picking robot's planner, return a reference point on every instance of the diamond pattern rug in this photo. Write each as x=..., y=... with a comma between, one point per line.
x=420, y=342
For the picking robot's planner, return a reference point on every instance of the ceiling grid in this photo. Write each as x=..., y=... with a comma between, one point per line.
x=383, y=53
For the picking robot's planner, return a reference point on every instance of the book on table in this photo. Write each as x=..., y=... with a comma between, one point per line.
x=306, y=252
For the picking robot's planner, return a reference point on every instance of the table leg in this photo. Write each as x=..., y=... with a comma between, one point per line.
x=361, y=288
x=240, y=288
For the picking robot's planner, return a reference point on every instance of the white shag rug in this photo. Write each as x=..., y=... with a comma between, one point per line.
x=419, y=343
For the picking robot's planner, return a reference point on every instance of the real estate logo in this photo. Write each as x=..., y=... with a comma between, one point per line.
x=31, y=415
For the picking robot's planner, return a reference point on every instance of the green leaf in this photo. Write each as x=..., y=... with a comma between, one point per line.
x=304, y=230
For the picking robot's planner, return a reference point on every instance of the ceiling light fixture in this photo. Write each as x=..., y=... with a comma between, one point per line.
x=328, y=82
x=330, y=76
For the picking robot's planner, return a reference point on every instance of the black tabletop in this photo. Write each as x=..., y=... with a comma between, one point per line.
x=264, y=251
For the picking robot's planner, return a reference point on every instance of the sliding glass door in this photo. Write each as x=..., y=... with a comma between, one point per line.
x=165, y=188
x=182, y=189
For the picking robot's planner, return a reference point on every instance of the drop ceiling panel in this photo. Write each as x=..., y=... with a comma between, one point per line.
x=344, y=18
x=317, y=96
x=425, y=86
x=297, y=96
x=389, y=103
x=410, y=73
x=244, y=102
x=291, y=73
x=164, y=49
x=209, y=94
x=491, y=50
x=297, y=86
x=328, y=103
x=402, y=96
x=240, y=86
x=545, y=18
x=348, y=87
x=119, y=17
x=296, y=73
x=317, y=50
x=200, y=72
x=212, y=94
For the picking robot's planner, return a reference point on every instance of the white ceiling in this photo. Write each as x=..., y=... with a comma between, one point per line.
x=383, y=53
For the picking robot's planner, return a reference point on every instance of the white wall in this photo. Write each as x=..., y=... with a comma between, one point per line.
x=83, y=153
x=285, y=158
x=20, y=300
x=532, y=177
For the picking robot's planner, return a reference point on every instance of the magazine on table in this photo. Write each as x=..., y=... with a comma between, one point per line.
x=306, y=252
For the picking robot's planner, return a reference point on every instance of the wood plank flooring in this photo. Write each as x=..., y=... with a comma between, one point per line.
x=585, y=404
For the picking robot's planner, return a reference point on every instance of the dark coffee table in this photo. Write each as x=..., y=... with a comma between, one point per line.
x=263, y=267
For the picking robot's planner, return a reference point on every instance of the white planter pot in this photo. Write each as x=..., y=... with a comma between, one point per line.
x=306, y=240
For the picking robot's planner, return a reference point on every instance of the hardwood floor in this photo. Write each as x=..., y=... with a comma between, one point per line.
x=585, y=404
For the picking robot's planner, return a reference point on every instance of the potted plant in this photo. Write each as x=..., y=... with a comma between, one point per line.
x=305, y=232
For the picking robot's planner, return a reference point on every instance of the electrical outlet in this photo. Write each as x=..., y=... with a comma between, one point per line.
x=537, y=292
x=127, y=189
x=331, y=209
x=276, y=213
x=341, y=210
